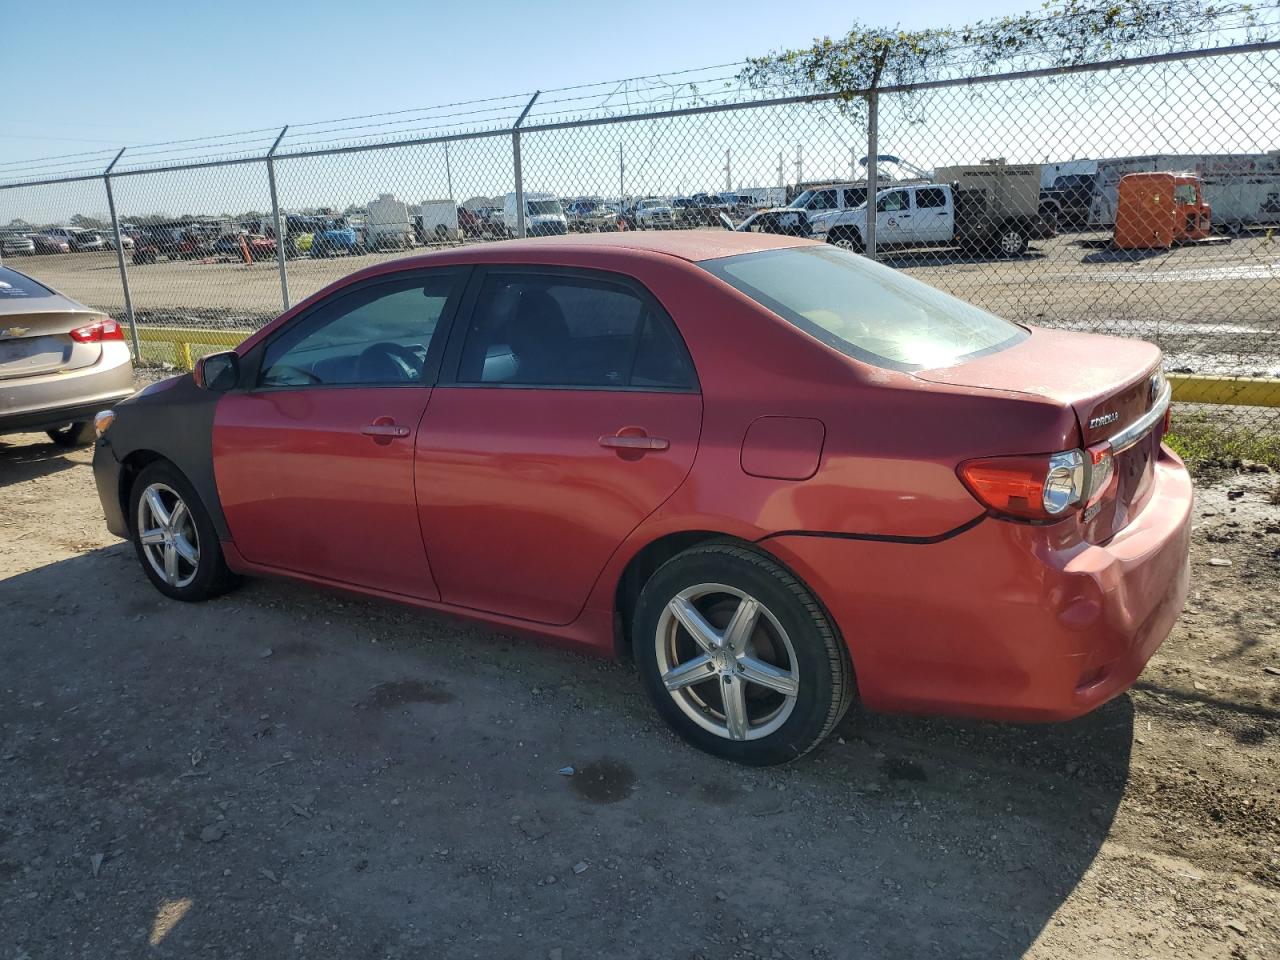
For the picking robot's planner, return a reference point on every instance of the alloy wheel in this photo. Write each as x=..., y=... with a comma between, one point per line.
x=727, y=662
x=1011, y=243
x=167, y=532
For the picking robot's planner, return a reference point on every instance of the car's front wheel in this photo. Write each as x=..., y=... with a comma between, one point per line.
x=174, y=537
x=738, y=656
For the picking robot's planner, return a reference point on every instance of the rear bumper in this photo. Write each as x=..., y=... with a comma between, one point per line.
x=54, y=399
x=1006, y=621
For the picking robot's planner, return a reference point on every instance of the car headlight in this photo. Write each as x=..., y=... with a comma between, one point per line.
x=102, y=420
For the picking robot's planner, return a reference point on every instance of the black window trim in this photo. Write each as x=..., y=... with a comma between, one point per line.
x=463, y=316
x=251, y=365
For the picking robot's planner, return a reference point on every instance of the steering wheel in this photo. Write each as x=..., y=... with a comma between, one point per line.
x=387, y=361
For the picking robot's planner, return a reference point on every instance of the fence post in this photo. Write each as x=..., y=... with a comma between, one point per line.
x=873, y=136
x=281, y=234
x=873, y=151
x=515, y=146
x=124, y=273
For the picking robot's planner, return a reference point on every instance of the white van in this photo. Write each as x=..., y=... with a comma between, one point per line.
x=543, y=216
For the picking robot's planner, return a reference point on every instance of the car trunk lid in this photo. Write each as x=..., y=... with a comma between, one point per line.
x=1111, y=384
x=36, y=343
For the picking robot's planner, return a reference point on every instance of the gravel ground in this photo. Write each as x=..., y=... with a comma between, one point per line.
x=289, y=773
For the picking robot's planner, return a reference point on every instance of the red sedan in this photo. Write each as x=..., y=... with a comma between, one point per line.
x=778, y=474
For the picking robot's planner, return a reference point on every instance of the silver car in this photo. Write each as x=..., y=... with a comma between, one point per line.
x=60, y=361
x=14, y=244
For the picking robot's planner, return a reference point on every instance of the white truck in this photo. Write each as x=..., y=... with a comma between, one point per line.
x=543, y=215
x=987, y=209
x=436, y=221
x=387, y=225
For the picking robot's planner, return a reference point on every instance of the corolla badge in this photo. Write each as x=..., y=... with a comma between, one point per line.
x=1103, y=419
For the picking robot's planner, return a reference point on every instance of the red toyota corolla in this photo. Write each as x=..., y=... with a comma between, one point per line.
x=777, y=473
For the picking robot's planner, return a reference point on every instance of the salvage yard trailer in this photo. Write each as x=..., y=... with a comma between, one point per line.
x=387, y=224
x=1243, y=189
x=436, y=221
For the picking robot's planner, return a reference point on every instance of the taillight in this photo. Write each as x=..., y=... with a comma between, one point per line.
x=98, y=331
x=1037, y=487
x=1100, y=469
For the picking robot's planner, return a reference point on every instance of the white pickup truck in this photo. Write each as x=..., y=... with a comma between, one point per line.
x=985, y=209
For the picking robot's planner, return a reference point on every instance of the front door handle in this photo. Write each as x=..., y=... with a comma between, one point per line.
x=634, y=441
x=384, y=430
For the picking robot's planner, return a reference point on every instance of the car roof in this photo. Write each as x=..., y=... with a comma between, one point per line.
x=691, y=245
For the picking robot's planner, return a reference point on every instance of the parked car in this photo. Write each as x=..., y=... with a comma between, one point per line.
x=651, y=213
x=48, y=244
x=173, y=242
x=86, y=240
x=590, y=215
x=109, y=239
x=72, y=238
x=15, y=244
x=259, y=247
x=60, y=361
x=334, y=235
x=682, y=477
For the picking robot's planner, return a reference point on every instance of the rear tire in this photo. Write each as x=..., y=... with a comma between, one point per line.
x=77, y=434
x=182, y=556
x=761, y=677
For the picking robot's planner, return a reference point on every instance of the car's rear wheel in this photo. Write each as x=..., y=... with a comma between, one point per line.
x=738, y=656
x=73, y=434
x=174, y=538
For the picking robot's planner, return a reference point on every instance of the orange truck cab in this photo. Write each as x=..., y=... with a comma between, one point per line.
x=1156, y=210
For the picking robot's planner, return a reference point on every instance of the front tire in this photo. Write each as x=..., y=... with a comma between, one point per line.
x=847, y=239
x=174, y=537
x=738, y=657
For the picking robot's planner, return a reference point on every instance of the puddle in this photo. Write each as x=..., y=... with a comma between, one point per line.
x=605, y=781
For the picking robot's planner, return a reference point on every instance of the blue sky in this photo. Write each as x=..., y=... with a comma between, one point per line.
x=106, y=74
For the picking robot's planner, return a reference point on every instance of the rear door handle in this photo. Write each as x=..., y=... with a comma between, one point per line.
x=633, y=442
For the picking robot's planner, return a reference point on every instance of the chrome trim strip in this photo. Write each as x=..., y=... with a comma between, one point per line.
x=1133, y=433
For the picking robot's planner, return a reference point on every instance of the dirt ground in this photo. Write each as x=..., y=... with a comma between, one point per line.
x=289, y=773
x=1210, y=307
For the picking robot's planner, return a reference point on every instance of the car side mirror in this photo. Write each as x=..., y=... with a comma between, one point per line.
x=218, y=371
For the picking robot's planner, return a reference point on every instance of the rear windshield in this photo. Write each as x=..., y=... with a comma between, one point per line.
x=865, y=310
x=15, y=286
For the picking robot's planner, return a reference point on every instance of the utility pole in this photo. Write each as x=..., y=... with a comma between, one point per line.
x=782, y=183
x=728, y=171
x=853, y=163
x=799, y=164
x=448, y=172
x=622, y=179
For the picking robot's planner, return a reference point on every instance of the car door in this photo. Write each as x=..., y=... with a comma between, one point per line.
x=931, y=220
x=893, y=218
x=568, y=412
x=314, y=459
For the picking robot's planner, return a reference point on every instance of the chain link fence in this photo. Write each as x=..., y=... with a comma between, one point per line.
x=1138, y=198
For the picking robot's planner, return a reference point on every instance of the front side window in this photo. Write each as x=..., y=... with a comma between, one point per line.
x=378, y=335
x=569, y=331
x=864, y=309
x=1184, y=193
x=823, y=200
x=542, y=208
x=892, y=202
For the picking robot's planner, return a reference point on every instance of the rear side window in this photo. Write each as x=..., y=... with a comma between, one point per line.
x=927, y=198
x=16, y=286
x=570, y=331
x=864, y=309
